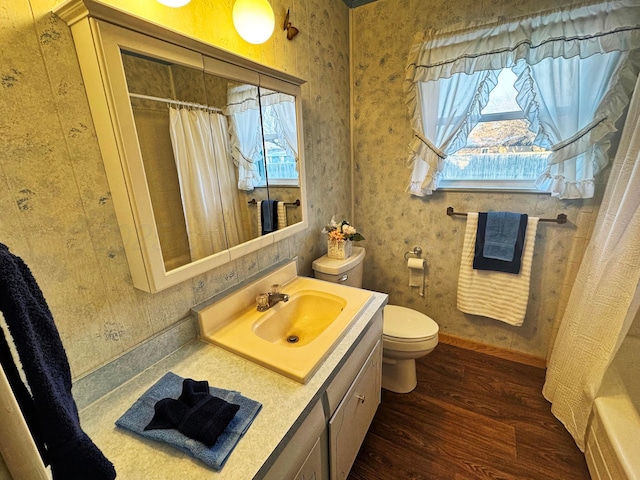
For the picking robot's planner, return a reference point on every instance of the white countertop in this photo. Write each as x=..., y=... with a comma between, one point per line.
x=283, y=400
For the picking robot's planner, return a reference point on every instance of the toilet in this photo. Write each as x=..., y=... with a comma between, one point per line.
x=406, y=333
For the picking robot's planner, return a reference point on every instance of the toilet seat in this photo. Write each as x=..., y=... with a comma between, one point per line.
x=405, y=325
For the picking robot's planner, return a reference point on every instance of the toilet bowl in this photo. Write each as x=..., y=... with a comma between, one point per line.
x=407, y=334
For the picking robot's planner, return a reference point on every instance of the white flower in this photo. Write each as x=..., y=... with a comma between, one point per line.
x=348, y=230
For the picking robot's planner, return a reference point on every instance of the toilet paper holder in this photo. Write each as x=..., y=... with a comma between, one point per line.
x=416, y=252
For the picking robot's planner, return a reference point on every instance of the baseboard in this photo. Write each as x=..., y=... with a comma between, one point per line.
x=505, y=353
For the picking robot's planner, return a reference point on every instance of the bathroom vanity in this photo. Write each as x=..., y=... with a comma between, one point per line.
x=304, y=431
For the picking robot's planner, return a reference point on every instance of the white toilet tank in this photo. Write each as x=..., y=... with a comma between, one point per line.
x=347, y=271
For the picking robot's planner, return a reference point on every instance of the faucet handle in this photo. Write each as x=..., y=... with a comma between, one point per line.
x=275, y=288
x=263, y=301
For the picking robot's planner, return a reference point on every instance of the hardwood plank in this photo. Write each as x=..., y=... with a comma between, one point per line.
x=473, y=416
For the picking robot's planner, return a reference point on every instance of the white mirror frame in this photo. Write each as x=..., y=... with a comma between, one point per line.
x=100, y=32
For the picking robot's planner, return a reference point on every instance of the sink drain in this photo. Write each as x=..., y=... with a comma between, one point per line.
x=293, y=339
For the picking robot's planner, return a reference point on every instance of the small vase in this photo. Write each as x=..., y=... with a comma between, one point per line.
x=339, y=249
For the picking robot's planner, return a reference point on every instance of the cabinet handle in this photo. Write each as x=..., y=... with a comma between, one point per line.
x=362, y=398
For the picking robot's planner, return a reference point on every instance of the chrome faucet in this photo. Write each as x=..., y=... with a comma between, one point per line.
x=267, y=300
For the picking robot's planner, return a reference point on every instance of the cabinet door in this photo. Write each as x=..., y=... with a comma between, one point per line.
x=299, y=459
x=349, y=424
x=312, y=467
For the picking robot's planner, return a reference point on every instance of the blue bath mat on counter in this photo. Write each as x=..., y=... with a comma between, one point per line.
x=142, y=411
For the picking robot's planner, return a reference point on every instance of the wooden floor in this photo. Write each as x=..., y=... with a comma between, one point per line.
x=472, y=416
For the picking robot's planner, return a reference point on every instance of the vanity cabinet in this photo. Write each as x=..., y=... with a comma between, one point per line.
x=303, y=457
x=327, y=441
x=350, y=423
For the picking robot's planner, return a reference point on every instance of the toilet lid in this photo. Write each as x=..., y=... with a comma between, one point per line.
x=405, y=323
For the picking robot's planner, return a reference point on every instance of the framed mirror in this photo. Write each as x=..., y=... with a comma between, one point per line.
x=201, y=148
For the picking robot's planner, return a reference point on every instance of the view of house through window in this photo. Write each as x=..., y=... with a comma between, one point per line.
x=499, y=151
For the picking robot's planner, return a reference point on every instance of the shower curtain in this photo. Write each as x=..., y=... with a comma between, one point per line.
x=606, y=295
x=202, y=154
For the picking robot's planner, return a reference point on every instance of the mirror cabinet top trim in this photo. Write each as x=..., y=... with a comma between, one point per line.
x=74, y=11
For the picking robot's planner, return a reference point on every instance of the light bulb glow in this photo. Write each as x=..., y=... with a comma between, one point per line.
x=254, y=20
x=174, y=3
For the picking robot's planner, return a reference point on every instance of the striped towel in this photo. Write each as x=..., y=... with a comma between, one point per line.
x=282, y=215
x=259, y=213
x=498, y=295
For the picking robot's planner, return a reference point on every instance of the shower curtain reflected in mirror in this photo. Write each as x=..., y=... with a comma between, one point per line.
x=202, y=153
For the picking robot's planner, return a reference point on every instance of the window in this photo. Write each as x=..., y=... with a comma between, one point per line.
x=500, y=153
x=573, y=76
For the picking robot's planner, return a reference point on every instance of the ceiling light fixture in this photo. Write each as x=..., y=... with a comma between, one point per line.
x=254, y=20
x=174, y=3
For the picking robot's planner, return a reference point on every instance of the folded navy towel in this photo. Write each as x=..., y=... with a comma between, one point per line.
x=500, y=235
x=195, y=413
x=269, y=216
x=138, y=416
x=480, y=262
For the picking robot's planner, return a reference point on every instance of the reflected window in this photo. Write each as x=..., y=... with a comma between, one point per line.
x=280, y=159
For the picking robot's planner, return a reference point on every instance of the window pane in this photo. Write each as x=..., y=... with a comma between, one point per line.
x=495, y=166
x=503, y=97
x=498, y=149
x=500, y=136
x=280, y=164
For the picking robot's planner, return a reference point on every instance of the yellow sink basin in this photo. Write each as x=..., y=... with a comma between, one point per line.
x=299, y=321
x=291, y=338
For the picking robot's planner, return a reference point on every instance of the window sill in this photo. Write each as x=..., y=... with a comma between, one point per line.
x=504, y=186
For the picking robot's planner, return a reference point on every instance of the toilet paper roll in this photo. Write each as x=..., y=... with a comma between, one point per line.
x=416, y=271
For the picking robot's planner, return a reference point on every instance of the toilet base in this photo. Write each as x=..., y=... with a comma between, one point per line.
x=399, y=376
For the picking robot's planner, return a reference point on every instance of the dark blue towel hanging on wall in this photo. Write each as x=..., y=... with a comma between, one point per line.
x=480, y=262
x=50, y=409
x=269, y=216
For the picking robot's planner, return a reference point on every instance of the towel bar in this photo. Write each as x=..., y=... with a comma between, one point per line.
x=292, y=204
x=561, y=218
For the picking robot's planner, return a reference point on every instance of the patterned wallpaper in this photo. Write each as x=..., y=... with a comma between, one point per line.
x=394, y=222
x=57, y=212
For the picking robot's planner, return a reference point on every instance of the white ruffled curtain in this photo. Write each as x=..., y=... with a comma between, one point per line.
x=606, y=295
x=450, y=108
x=201, y=151
x=571, y=118
x=243, y=108
x=284, y=108
x=531, y=45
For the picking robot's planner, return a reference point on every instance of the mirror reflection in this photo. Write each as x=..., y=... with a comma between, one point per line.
x=220, y=157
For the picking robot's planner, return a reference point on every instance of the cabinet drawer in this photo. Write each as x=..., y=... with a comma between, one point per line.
x=349, y=424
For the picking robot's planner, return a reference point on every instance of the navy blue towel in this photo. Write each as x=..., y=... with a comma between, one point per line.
x=269, y=216
x=501, y=234
x=195, y=413
x=138, y=416
x=480, y=262
x=55, y=425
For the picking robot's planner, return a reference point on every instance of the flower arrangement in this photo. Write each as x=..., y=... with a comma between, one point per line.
x=341, y=231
